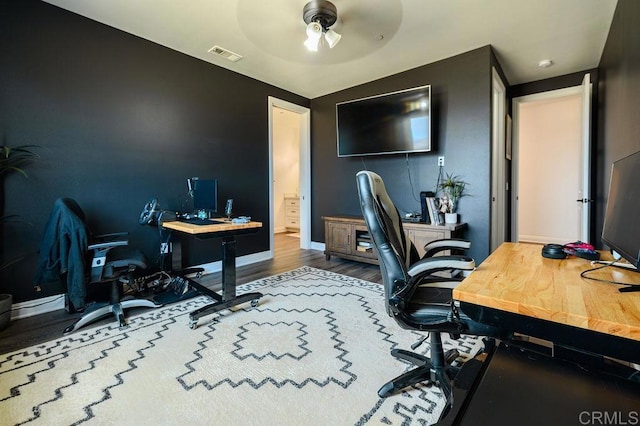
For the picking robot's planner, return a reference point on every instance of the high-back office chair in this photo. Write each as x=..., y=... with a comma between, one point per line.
x=70, y=252
x=415, y=296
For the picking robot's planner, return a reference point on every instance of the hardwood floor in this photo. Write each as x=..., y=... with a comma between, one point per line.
x=287, y=256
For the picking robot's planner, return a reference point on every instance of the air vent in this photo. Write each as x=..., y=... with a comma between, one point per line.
x=227, y=54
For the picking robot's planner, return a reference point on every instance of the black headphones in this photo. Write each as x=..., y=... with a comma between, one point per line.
x=554, y=251
x=149, y=213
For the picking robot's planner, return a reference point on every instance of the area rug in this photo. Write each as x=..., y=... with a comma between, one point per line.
x=313, y=352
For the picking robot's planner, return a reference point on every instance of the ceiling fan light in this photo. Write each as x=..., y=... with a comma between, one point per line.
x=332, y=37
x=314, y=32
x=312, y=44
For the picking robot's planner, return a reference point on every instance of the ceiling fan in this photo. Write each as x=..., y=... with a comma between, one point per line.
x=320, y=15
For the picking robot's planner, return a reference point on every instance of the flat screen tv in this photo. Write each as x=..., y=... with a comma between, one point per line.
x=621, y=231
x=391, y=123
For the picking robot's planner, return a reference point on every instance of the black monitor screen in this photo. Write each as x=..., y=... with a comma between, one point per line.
x=205, y=194
x=621, y=230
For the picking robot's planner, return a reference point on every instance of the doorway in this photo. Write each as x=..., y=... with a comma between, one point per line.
x=289, y=177
x=551, y=173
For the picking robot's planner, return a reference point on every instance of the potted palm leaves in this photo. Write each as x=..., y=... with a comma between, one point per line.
x=12, y=160
x=453, y=188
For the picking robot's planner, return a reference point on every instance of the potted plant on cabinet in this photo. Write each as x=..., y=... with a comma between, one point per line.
x=12, y=160
x=453, y=188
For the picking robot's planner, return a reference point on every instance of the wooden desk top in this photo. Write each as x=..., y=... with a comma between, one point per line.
x=219, y=225
x=517, y=279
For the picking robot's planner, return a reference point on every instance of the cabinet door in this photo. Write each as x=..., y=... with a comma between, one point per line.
x=338, y=237
x=420, y=237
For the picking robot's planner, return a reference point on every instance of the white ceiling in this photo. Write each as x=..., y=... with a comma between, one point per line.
x=269, y=35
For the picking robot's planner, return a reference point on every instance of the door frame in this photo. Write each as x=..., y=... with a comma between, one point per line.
x=304, y=175
x=498, y=206
x=586, y=148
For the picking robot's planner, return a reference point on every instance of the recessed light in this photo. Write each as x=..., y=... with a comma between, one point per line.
x=545, y=63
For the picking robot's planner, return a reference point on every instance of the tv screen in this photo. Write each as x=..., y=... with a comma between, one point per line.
x=621, y=231
x=392, y=123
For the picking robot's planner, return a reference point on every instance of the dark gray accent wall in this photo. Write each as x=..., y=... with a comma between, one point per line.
x=120, y=120
x=619, y=93
x=461, y=121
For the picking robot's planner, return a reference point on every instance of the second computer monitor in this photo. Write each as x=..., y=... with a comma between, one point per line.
x=205, y=195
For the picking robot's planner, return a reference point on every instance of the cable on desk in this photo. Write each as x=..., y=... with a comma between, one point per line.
x=631, y=287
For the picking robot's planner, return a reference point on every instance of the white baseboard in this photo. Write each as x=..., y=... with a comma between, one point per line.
x=240, y=261
x=37, y=306
x=541, y=239
x=317, y=246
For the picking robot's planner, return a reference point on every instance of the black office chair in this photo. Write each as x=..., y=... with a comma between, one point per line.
x=69, y=251
x=418, y=296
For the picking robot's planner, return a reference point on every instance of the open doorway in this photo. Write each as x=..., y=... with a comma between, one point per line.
x=289, y=170
x=551, y=172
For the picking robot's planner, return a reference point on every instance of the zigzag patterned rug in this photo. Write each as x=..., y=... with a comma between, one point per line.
x=314, y=352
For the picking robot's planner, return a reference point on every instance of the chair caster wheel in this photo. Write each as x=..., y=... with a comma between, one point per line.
x=193, y=325
x=255, y=303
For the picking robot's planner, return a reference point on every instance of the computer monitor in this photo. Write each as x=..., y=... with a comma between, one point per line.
x=205, y=195
x=621, y=231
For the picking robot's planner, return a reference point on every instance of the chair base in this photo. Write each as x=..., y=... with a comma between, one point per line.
x=102, y=310
x=425, y=372
x=437, y=370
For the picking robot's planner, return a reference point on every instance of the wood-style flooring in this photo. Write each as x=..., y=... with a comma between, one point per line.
x=29, y=331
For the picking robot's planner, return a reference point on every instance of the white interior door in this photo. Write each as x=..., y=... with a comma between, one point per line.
x=551, y=166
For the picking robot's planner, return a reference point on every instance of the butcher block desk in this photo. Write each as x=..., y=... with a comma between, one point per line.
x=547, y=298
x=227, y=231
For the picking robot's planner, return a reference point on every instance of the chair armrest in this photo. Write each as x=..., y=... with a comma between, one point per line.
x=112, y=236
x=441, y=282
x=430, y=265
x=437, y=246
x=107, y=241
x=426, y=268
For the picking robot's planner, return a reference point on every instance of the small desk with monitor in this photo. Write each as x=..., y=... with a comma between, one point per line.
x=227, y=231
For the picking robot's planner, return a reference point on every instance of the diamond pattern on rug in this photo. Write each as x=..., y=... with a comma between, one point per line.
x=289, y=335
x=315, y=351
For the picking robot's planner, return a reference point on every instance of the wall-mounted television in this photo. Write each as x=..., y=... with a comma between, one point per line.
x=621, y=231
x=391, y=123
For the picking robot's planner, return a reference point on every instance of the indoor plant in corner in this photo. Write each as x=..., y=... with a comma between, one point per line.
x=12, y=160
x=453, y=188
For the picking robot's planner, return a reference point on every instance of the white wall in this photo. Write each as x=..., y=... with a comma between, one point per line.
x=286, y=161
